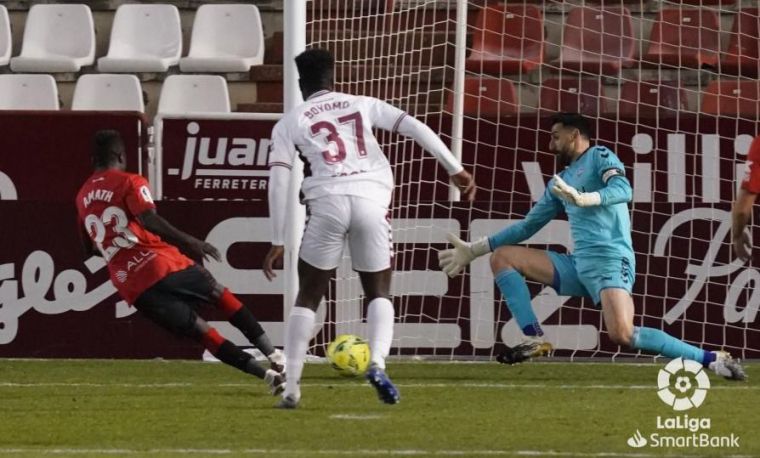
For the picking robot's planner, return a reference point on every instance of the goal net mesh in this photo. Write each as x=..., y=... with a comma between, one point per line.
x=670, y=87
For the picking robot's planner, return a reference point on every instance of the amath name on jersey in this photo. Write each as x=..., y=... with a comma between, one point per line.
x=230, y=158
x=97, y=194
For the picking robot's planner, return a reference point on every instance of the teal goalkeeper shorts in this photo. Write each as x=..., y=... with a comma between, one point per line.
x=587, y=277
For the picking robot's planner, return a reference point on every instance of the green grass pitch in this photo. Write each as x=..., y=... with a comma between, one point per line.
x=177, y=408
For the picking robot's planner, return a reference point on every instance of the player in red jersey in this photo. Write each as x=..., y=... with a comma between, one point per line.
x=745, y=199
x=119, y=222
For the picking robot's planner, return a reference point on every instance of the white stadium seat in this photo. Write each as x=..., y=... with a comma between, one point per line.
x=226, y=38
x=5, y=36
x=57, y=38
x=144, y=38
x=28, y=92
x=108, y=93
x=194, y=94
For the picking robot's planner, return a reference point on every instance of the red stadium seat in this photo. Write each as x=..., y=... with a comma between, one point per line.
x=732, y=98
x=508, y=39
x=491, y=97
x=598, y=40
x=743, y=54
x=584, y=96
x=708, y=2
x=685, y=38
x=651, y=98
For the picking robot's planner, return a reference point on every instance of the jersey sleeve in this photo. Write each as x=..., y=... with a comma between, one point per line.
x=282, y=150
x=138, y=197
x=751, y=179
x=608, y=165
x=384, y=115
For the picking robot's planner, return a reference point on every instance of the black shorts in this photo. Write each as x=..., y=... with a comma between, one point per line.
x=173, y=301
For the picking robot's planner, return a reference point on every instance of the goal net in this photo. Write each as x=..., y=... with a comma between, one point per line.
x=667, y=86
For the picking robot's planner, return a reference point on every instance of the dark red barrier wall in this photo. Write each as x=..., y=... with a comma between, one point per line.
x=52, y=304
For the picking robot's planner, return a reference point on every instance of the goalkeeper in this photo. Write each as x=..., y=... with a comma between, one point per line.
x=594, y=192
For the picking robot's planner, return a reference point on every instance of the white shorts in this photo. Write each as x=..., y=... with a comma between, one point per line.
x=332, y=219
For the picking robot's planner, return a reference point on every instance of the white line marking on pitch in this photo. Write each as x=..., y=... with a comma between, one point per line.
x=362, y=385
x=311, y=452
x=348, y=416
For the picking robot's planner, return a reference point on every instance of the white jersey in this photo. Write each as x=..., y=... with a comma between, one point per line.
x=332, y=134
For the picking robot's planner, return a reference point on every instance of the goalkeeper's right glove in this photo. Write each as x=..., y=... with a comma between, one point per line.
x=453, y=260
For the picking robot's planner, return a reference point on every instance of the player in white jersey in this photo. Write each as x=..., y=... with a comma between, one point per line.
x=347, y=190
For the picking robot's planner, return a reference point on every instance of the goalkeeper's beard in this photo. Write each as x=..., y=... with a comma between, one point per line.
x=564, y=159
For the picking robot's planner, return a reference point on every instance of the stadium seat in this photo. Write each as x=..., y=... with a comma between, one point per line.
x=651, y=98
x=489, y=97
x=108, y=93
x=28, y=92
x=194, y=94
x=685, y=38
x=708, y=2
x=732, y=98
x=508, y=39
x=144, y=38
x=598, y=40
x=57, y=38
x=743, y=54
x=584, y=96
x=6, y=43
x=226, y=38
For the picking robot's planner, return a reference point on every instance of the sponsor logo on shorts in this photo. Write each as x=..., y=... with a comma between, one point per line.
x=625, y=270
x=121, y=276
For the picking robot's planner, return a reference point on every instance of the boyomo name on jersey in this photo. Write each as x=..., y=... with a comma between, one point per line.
x=327, y=106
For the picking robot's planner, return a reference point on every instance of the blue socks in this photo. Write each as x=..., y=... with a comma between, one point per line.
x=656, y=341
x=515, y=291
x=516, y=294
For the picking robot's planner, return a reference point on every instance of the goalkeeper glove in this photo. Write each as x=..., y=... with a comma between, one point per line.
x=569, y=194
x=453, y=260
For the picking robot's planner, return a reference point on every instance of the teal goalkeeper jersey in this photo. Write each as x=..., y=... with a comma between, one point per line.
x=602, y=231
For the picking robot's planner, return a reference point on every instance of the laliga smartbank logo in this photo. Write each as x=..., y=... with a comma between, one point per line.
x=682, y=385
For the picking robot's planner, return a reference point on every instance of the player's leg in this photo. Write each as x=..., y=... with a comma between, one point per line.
x=199, y=286
x=380, y=319
x=371, y=246
x=380, y=314
x=617, y=309
x=321, y=250
x=171, y=310
x=510, y=266
x=243, y=319
x=230, y=354
x=313, y=284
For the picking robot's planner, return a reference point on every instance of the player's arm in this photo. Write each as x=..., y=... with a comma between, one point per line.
x=140, y=203
x=390, y=118
x=615, y=190
x=195, y=248
x=741, y=212
x=452, y=261
x=281, y=157
x=87, y=246
x=279, y=183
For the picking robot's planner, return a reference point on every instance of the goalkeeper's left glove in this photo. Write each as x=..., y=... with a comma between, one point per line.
x=453, y=260
x=569, y=194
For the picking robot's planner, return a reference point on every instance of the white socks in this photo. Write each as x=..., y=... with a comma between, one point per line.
x=380, y=324
x=297, y=336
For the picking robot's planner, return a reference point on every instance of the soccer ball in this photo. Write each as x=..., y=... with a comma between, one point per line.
x=349, y=355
